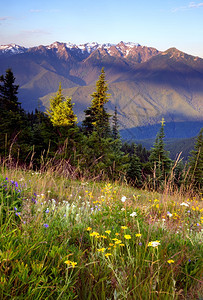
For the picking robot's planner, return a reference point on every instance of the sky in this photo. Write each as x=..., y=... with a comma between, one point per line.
x=161, y=24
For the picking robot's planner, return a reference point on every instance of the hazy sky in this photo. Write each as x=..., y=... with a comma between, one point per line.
x=157, y=23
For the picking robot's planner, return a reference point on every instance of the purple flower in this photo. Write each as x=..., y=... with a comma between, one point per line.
x=64, y=215
x=189, y=260
x=34, y=200
x=198, y=224
x=17, y=214
x=46, y=225
x=140, y=244
x=47, y=211
x=15, y=209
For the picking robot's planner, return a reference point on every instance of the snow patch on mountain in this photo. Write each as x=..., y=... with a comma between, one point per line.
x=87, y=48
x=12, y=49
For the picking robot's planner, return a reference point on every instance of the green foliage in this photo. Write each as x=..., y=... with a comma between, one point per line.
x=11, y=197
x=12, y=117
x=96, y=117
x=8, y=93
x=159, y=158
x=115, y=126
x=61, y=110
x=134, y=172
x=98, y=243
x=196, y=162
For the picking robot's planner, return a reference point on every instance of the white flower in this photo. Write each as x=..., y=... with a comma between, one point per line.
x=122, y=209
x=184, y=204
x=123, y=199
x=134, y=214
x=154, y=244
x=169, y=214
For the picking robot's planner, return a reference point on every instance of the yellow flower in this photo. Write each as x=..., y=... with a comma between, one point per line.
x=118, y=242
x=103, y=236
x=170, y=261
x=70, y=263
x=138, y=235
x=122, y=245
x=127, y=236
x=111, y=244
x=117, y=233
x=101, y=250
x=124, y=227
x=108, y=231
x=89, y=228
x=107, y=254
x=73, y=264
x=94, y=233
x=115, y=239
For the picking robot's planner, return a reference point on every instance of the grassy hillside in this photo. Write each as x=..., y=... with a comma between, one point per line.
x=63, y=239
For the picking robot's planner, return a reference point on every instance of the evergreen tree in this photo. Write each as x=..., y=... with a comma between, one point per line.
x=134, y=173
x=64, y=120
x=96, y=116
x=8, y=93
x=61, y=110
x=115, y=127
x=12, y=116
x=196, y=163
x=103, y=153
x=159, y=158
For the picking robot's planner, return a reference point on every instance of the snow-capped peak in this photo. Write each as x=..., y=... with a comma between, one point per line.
x=86, y=48
x=12, y=49
x=90, y=47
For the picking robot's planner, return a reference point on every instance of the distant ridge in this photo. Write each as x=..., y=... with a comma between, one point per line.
x=145, y=84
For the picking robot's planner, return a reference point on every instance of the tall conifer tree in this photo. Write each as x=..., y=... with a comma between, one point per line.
x=115, y=127
x=134, y=173
x=96, y=116
x=61, y=110
x=196, y=163
x=12, y=116
x=159, y=158
x=8, y=93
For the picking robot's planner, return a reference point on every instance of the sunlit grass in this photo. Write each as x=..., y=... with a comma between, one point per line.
x=65, y=239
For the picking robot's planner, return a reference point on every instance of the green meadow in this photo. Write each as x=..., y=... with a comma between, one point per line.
x=69, y=239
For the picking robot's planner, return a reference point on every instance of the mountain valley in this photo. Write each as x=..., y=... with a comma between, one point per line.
x=144, y=84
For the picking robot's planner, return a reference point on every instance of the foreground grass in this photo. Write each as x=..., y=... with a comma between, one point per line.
x=64, y=239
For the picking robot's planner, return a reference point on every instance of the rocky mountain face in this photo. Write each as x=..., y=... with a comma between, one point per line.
x=145, y=84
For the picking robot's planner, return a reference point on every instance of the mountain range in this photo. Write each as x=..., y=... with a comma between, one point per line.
x=145, y=84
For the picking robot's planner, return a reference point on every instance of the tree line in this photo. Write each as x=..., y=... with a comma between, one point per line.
x=92, y=150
